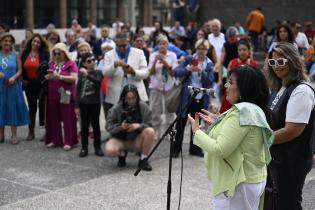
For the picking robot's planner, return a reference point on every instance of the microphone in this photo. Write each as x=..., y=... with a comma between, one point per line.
x=208, y=91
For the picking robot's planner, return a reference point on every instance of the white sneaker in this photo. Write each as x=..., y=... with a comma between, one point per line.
x=66, y=147
x=50, y=145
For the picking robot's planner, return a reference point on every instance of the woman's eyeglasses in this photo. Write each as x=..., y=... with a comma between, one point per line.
x=278, y=62
x=90, y=61
x=57, y=53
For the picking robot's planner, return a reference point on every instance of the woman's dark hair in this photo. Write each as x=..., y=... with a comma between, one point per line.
x=291, y=36
x=84, y=57
x=129, y=88
x=53, y=33
x=43, y=43
x=157, y=33
x=253, y=87
x=245, y=42
x=204, y=33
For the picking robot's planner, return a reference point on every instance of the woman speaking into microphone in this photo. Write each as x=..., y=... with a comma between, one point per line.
x=237, y=142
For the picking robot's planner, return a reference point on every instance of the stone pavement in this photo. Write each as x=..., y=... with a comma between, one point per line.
x=33, y=177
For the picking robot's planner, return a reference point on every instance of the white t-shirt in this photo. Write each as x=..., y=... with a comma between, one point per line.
x=300, y=104
x=217, y=42
x=301, y=40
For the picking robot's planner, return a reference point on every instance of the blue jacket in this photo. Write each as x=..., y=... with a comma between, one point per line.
x=207, y=80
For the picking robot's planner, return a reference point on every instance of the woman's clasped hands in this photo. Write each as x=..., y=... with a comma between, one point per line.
x=205, y=115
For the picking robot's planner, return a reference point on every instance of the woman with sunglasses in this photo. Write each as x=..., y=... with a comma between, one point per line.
x=293, y=102
x=13, y=110
x=88, y=103
x=62, y=75
x=35, y=54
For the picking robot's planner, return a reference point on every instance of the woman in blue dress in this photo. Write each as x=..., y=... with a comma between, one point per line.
x=13, y=110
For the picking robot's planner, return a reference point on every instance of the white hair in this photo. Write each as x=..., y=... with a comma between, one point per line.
x=215, y=21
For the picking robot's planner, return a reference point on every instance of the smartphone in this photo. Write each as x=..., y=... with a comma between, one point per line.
x=194, y=62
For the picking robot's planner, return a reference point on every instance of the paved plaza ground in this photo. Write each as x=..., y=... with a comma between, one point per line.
x=33, y=177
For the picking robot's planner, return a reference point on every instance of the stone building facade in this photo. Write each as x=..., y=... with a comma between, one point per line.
x=229, y=11
x=39, y=13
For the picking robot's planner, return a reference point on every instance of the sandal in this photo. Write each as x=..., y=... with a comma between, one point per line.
x=14, y=141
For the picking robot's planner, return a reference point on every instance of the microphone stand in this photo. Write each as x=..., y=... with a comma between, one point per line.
x=169, y=131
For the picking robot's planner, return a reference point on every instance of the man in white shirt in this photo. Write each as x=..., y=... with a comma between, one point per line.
x=216, y=39
x=300, y=38
x=124, y=65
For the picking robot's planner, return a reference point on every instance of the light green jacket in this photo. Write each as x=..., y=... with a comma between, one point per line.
x=236, y=147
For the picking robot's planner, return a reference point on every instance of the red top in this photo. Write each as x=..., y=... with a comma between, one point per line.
x=237, y=62
x=31, y=64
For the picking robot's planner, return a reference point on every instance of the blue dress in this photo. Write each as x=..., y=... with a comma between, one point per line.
x=13, y=110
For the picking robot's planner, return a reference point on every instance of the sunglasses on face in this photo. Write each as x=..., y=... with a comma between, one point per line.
x=121, y=46
x=278, y=62
x=90, y=61
x=57, y=53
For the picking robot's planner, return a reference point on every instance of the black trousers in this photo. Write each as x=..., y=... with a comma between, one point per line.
x=195, y=106
x=32, y=92
x=90, y=113
x=289, y=179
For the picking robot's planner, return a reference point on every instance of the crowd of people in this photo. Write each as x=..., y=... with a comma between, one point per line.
x=261, y=117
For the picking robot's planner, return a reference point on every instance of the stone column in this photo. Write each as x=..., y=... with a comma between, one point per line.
x=93, y=11
x=120, y=9
x=29, y=13
x=147, y=13
x=63, y=13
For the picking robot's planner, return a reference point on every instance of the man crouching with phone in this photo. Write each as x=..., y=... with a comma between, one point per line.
x=129, y=125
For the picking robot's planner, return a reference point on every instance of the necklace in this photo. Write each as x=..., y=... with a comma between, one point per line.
x=59, y=66
x=4, y=61
x=33, y=56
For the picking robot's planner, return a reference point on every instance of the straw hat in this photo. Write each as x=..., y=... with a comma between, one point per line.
x=7, y=34
x=62, y=47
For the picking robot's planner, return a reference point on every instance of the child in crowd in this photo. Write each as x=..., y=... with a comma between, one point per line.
x=89, y=103
x=244, y=58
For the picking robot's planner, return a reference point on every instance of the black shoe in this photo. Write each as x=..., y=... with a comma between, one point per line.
x=99, y=152
x=144, y=165
x=121, y=161
x=83, y=153
x=196, y=153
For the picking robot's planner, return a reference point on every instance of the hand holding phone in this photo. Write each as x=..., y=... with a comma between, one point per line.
x=194, y=62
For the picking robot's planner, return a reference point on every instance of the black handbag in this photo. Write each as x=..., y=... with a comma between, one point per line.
x=271, y=193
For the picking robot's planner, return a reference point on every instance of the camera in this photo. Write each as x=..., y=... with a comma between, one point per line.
x=129, y=115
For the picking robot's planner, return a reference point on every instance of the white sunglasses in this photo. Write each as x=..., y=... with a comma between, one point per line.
x=278, y=62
